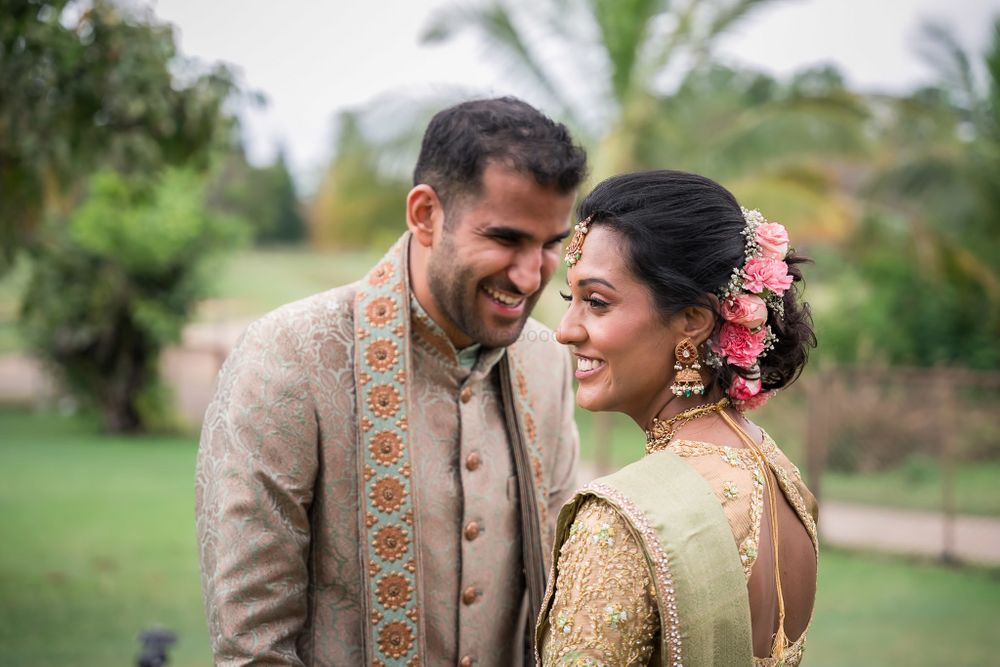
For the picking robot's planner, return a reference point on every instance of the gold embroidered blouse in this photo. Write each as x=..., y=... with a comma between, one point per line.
x=604, y=611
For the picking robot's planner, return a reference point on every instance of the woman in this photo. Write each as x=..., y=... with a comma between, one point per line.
x=682, y=314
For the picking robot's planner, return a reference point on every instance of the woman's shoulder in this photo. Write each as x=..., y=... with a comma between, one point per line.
x=599, y=523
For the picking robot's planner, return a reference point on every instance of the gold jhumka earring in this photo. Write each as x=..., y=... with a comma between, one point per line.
x=687, y=382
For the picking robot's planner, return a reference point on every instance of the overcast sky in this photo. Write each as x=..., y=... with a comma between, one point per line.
x=312, y=58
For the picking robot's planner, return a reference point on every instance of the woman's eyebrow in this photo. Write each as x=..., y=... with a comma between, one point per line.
x=599, y=281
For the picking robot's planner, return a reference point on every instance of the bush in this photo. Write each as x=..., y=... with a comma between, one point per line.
x=115, y=283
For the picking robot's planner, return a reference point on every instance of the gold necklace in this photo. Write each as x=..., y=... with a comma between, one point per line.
x=660, y=432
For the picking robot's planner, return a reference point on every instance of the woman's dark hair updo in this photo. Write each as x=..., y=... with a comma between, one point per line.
x=682, y=234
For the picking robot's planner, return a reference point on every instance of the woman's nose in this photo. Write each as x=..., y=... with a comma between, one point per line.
x=569, y=331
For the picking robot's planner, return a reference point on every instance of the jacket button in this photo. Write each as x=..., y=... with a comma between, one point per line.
x=469, y=595
x=473, y=461
x=472, y=531
x=466, y=394
x=466, y=661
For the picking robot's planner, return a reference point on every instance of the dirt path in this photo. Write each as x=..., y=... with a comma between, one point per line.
x=972, y=538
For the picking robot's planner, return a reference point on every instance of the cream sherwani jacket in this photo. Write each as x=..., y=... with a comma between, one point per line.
x=307, y=511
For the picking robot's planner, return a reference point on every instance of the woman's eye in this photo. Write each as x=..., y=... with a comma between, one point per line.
x=594, y=302
x=566, y=297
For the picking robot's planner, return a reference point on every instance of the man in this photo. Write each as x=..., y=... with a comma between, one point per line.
x=381, y=467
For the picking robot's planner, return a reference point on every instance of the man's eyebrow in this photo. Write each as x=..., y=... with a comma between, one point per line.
x=560, y=237
x=599, y=281
x=518, y=235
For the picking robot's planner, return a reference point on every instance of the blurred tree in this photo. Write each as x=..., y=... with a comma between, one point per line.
x=603, y=66
x=89, y=84
x=639, y=82
x=358, y=204
x=116, y=283
x=929, y=251
x=791, y=149
x=289, y=225
x=263, y=196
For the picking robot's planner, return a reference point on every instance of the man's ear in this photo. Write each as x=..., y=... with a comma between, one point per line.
x=424, y=213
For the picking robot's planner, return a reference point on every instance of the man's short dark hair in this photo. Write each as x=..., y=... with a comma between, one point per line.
x=462, y=140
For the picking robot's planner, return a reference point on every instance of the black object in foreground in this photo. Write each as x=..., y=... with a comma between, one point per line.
x=154, y=647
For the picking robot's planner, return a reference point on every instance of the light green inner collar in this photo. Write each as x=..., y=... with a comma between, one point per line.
x=467, y=356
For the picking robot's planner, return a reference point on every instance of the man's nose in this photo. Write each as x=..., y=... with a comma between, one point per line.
x=526, y=272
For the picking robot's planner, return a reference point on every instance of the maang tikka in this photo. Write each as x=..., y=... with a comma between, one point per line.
x=687, y=382
x=575, y=249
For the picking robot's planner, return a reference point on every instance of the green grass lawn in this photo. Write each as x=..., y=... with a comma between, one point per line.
x=99, y=544
x=879, y=610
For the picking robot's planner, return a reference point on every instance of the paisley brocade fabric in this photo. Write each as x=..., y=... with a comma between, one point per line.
x=278, y=514
x=605, y=612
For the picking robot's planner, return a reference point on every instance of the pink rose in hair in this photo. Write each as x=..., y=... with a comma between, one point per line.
x=742, y=388
x=761, y=272
x=746, y=309
x=739, y=345
x=755, y=402
x=772, y=237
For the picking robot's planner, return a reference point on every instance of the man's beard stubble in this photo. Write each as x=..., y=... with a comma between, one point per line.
x=450, y=283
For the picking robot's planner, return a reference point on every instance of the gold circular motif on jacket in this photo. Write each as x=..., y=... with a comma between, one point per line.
x=387, y=494
x=380, y=311
x=395, y=639
x=393, y=590
x=386, y=447
x=382, y=354
x=391, y=542
x=383, y=400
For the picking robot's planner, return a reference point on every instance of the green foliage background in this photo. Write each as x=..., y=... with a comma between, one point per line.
x=116, y=283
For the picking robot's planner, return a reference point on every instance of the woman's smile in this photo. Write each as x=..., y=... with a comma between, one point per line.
x=587, y=367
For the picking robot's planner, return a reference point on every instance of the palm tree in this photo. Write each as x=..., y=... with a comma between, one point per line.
x=635, y=79
x=598, y=64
